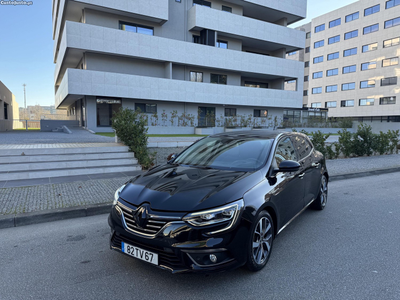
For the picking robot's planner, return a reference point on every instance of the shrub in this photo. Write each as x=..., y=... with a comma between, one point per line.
x=394, y=140
x=345, y=142
x=381, y=143
x=130, y=127
x=363, y=140
x=318, y=138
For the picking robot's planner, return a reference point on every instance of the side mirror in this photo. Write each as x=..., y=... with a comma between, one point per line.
x=171, y=157
x=288, y=166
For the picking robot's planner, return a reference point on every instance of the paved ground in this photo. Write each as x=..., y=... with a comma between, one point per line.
x=348, y=251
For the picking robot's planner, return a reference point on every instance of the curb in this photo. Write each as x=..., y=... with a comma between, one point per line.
x=8, y=221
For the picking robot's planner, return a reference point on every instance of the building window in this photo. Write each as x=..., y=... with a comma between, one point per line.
x=317, y=90
x=390, y=62
x=334, y=55
x=196, y=76
x=307, y=50
x=352, y=17
x=318, y=59
x=368, y=65
x=202, y=3
x=349, y=69
x=387, y=100
x=105, y=108
x=292, y=53
x=260, y=113
x=332, y=72
x=351, y=34
x=367, y=84
x=305, y=93
x=319, y=28
x=5, y=111
x=306, y=64
x=334, y=39
x=389, y=81
x=350, y=52
x=371, y=28
x=366, y=102
x=370, y=47
x=308, y=35
x=391, y=42
x=372, y=10
x=335, y=23
x=317, y=75
x=206, y=116
x=316, y=104
x=347, y=103
x=178, y=1
x=331, y=88
x=146, y=108
x=291, y=81
x=260, y=85
x=222, y=44
x=330, y=104
x=392, y=22
x=218, y=79
x=348, y=86
x=226, y=8
x=230, y=112
x=392, y=3
x=306, y=78
x=319, y=44
x=136, y=28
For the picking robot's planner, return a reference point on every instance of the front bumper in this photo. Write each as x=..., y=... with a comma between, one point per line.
x=184, y=248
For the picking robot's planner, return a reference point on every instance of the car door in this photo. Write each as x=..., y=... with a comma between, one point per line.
x=288, y=190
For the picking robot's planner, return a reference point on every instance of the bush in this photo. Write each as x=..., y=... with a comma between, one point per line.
x=381, y=143
x=345, y=142
x=130, y=127
x=363, y=140
x=394, y=141
x=318, y=139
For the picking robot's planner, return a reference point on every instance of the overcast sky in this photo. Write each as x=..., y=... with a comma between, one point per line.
x=26, y=54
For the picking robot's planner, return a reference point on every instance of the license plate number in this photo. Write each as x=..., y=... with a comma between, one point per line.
x=139, y=253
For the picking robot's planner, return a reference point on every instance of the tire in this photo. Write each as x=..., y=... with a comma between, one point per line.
x=322, y=199
x=259, y=253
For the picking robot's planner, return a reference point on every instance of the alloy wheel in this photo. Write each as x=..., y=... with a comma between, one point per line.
x=262, y=240
x=323, y=191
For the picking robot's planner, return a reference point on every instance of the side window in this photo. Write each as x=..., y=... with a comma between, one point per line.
x=302, y=146
x=285, y=151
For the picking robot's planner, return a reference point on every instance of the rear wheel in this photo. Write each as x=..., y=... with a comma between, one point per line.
x=320, y=202
x=260, y=244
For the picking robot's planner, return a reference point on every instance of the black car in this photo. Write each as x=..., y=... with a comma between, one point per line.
x=219, y=204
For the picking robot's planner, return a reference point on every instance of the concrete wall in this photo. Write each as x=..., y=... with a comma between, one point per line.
x=378, y=126
x=49, y=125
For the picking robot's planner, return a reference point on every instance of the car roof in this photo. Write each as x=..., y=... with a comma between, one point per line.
x=264, y=134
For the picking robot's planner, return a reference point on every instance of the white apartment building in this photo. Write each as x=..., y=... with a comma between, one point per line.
x=352, y=61
x=182, y=62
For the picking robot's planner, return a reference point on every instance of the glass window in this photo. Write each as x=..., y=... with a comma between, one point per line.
x=387, y=100
x=334, y=39
x=331, y=88
x=316, y=75
x=202, y=3
x=226, y=8
x=260, y=113
x=285, y=151
x=371, y=28
x=392, y=22
x=330, y=104
x=332, y=72
x=308, y=35
x=351, y=34
x=352, y=17
x=316, y=104
x=136, y=28
x=305, y=93
x=391, y=42
x=146, y=108
x=218, y=79
x=392, y=3
x=368, y=65
x=346, y=103
x=372, y=10
x=319, y=28
x=222, y=44
x=366, y=102
x=306, y=64
x=390, y=62
x=318, y=59
x=306, y=78
x=349, y=69
x=230, y=112
x=307, y=50
x=334, y=23
x=292, y=53
x=370, y=47
x=302, y=146
x=319, y=44
x=389, y=81
x=367, y=84
x=254, y=84
x=196, y=76
x=106, y=107
x=348, y=86
x=334, y=55
x=317, y=90
x=349, y=52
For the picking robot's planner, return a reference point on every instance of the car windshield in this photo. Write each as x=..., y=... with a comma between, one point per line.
x=222, y=152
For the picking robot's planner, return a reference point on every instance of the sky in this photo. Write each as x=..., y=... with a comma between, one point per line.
x=26, y=47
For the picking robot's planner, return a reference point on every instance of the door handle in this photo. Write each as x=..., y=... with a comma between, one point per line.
x=301, y=175
x=315, y=165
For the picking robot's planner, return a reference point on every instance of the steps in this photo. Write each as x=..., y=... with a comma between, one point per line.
x=19, y=162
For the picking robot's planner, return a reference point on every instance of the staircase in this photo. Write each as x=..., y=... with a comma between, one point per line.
x=19, y=162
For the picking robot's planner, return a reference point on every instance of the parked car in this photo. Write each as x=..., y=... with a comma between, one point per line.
x=220, y=203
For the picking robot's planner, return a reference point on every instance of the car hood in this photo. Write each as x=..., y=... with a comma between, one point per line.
x=188, y=189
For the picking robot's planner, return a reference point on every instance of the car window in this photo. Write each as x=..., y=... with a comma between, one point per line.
x=285, y=151
x=302, y=146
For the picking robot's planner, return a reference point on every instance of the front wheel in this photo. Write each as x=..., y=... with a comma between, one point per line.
x=320, y=202
x=260, y=244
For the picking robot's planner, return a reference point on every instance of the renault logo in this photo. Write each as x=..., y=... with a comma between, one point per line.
x=140, y=216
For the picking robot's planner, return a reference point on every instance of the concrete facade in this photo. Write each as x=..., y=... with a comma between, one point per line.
x=8, y=108
x=100, y=61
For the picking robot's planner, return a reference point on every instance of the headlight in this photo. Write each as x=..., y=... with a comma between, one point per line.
x=228, y=213
x=116, y=195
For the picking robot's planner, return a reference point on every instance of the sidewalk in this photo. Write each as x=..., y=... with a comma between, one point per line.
x=87, y=196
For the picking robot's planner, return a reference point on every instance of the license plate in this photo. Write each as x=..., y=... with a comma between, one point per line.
x=139, y=253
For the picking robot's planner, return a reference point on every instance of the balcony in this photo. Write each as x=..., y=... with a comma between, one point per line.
x=252, y=32
x=78, y=83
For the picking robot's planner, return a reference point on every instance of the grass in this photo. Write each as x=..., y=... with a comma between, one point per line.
x=25, y=129
x=112, y=134
x=109, y=134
